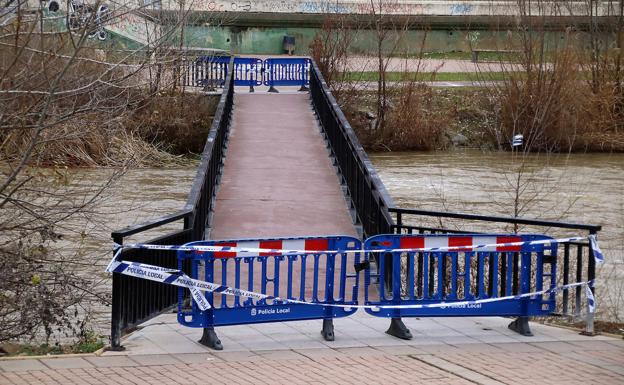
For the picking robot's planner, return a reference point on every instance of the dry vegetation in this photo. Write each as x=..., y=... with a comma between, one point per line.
x=62, y=104
x=562, y=94
x=397, y=115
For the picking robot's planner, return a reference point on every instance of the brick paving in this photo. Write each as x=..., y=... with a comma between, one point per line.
x=474, y=350
x=511, y=363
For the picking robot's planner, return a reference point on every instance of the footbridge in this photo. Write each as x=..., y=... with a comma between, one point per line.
x=288, y=220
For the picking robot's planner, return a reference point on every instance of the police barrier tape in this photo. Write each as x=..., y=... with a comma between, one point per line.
x=178, y=278
x=592, y=240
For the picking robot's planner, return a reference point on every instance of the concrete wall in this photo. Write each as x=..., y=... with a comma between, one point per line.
x=259, y=26
x=391, y=7
x=268, y=40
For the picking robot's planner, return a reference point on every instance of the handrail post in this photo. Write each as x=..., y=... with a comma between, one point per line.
x=116, y=306
x=591, y=275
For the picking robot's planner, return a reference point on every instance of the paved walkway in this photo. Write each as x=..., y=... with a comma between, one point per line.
x=278, y=179
x=443, y=351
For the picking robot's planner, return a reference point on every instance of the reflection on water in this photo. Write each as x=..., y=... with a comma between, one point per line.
x=584, y=188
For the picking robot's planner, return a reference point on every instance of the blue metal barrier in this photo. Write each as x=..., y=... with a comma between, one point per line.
x=323, y=279
x=287, y=72
x=411, y=278
x=210, y=71
x=206, y=71
x=248, y=72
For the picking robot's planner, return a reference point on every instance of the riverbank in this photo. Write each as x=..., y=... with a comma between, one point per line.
x=421, y=117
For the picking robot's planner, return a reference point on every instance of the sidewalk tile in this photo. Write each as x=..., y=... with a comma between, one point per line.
x=111, y=361
x=21, y=365
x=66, y=363
x=155, y=359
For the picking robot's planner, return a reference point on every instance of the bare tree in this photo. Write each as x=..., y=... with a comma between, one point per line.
x=64, y=102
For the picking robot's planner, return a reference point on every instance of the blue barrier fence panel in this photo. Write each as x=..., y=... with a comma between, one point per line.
x=208, y=71
x=248, y=72
x=287, y=72
x=416, y=278
x=320, y=278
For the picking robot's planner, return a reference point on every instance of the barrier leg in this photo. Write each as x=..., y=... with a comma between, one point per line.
x=398, y=329
x=521, y=326
x=328, y=329
x=210, y=339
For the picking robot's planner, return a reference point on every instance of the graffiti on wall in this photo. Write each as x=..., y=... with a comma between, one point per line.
x=461, y=9
x=81, y=15
x=403, y=7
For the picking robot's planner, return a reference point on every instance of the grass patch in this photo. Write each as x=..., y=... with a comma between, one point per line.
x=373, y=76
x=88, y=344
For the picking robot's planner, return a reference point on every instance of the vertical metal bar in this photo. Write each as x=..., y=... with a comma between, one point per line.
x=425, y=275
x=224, y=281
x=396, y=277
x=579, y=278
x=116, y=304
x=410, y=275
x=276, y=275
x=468, y=294
x=237, y=273
x=315, y=284
x=381, y=269
x=420, y=275
x=510, y=274
x=263, y=274
x=480, y=275
x=302, y=279
x=431, y=274
x=493, y=275
x=250, y=276
x=515, y=273
x=441, y=274
x=503, y=274
x=343, y=275
x=290, y=276
x=454, y=268
x=591, y=275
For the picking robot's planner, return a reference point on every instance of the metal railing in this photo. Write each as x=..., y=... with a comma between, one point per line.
x=135, y=300
x=373, y=209
x=369, y=200
x=576, y=258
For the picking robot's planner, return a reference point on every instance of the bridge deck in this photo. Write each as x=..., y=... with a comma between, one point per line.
x=278, y=179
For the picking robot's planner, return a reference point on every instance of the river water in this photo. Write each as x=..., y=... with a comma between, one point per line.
x=577, y=188
x=583, y=188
